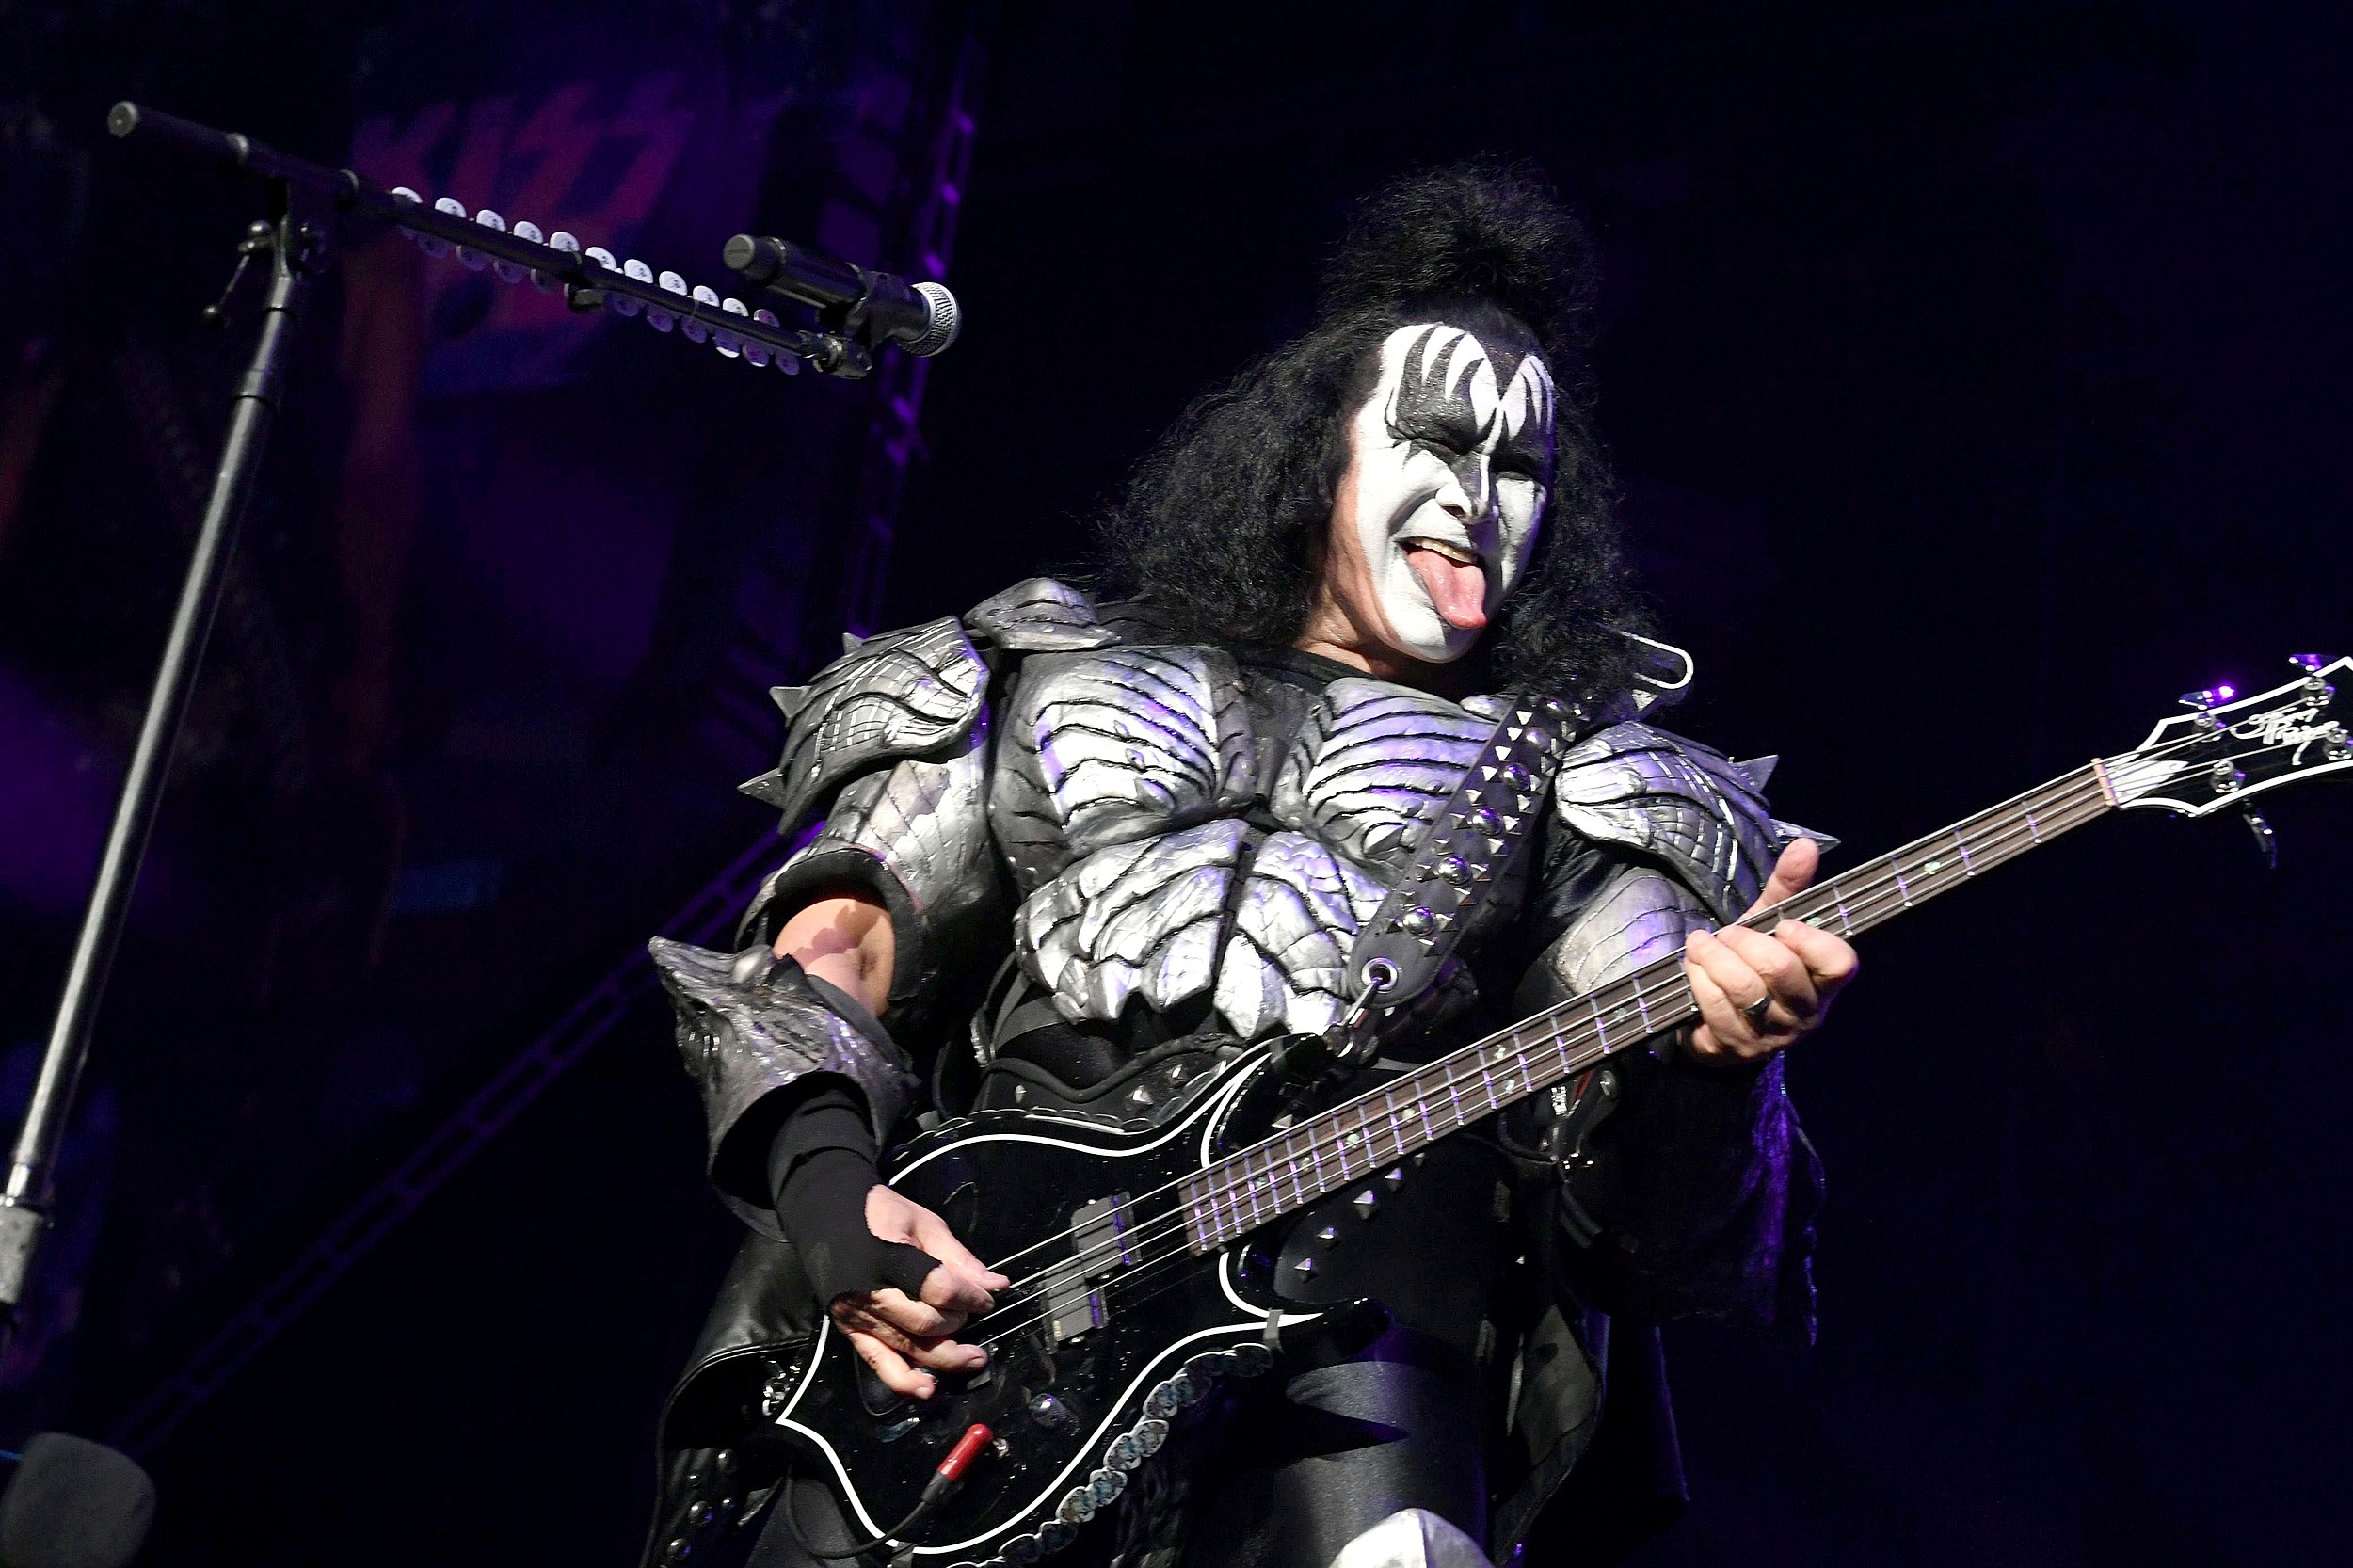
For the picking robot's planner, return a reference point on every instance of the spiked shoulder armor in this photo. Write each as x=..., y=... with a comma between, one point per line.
x=1679, y=803
x=916, y=692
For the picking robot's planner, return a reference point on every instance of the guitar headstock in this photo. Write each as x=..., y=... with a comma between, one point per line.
x=2229, y=748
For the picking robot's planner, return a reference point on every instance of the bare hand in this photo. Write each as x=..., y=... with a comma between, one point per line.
x=899, y=1336
x=1799, y=969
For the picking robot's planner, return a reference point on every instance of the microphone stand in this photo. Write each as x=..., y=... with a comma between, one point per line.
x=298, y=246
x=313, y=202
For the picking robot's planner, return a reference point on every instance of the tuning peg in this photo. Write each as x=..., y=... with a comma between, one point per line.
x=2202, y=700
x=2266, y=841
x=2309, y=663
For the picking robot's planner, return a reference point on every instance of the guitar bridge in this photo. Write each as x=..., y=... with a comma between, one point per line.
x=1099, y=1248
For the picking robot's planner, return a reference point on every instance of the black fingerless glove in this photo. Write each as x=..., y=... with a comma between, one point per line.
x=819, y=1167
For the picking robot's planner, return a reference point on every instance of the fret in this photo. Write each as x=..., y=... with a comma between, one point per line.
x=1428, y=1103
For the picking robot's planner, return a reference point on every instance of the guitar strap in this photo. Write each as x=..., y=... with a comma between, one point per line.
x=1477, y=836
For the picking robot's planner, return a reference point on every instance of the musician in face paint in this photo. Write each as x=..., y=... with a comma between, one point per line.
x=1435, y=520
x=1161, y=813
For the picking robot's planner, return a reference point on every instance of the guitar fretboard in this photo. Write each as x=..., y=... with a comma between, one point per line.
x=1305, y=1163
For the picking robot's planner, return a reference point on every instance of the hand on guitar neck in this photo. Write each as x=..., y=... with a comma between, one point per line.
x=1797, y=971
x=846, y=940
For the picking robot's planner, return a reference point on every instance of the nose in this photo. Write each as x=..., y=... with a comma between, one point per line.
x=1469, y=495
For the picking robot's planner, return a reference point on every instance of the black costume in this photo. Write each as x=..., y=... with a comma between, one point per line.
x=1143, y=850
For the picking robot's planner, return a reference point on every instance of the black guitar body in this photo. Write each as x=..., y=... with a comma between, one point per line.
x=1084, y=1375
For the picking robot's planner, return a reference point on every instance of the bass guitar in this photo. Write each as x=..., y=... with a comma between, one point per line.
x=1145, y=1262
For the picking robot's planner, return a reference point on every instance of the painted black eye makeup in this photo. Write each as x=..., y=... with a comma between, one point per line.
x=1433, y=405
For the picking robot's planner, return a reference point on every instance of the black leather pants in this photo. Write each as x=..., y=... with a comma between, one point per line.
x=1300, y=1471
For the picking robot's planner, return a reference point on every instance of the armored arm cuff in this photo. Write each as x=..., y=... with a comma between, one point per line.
x=751, y=1025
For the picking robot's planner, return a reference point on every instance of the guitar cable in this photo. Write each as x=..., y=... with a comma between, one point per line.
x=946, y=1478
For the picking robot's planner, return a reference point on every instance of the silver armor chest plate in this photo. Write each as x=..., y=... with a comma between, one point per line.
x=1118, y=797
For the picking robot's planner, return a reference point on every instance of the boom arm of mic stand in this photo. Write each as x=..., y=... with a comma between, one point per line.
x=586, y=280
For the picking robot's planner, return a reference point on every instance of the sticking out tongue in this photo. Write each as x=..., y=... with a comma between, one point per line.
x=1459, y=590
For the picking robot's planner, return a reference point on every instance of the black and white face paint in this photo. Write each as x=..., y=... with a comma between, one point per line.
x=1453, y=456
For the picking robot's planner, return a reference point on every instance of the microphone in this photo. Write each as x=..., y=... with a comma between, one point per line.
x=73, y=1503
x=921, y=318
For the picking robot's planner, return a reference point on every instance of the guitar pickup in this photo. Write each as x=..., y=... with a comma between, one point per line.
x=1099, y=1248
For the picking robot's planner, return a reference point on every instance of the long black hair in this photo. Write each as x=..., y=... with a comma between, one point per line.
x=1220, y=527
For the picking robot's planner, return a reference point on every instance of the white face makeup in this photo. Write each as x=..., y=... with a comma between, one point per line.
x=1454, y=452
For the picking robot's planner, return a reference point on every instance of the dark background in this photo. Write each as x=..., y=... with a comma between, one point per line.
x=1975, y=375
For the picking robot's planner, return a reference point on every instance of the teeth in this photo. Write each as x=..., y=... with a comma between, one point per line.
x=1457, y=553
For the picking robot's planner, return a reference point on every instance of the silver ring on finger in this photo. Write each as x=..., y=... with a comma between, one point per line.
x=1755, y=1011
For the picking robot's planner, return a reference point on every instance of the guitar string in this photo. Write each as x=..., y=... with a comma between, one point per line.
x=1572, y=1060
x=1868, y=896
x=1877, y=901
x=1871, y=891
x=1864, y=906
x=1893, y=860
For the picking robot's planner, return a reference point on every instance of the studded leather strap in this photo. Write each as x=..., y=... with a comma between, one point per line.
x=1481, y=830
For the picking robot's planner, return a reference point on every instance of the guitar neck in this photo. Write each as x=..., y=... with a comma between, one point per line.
x=1308, y=1161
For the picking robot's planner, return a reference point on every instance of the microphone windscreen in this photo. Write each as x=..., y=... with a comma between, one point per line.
x=944, y=320
x=73, y=1503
